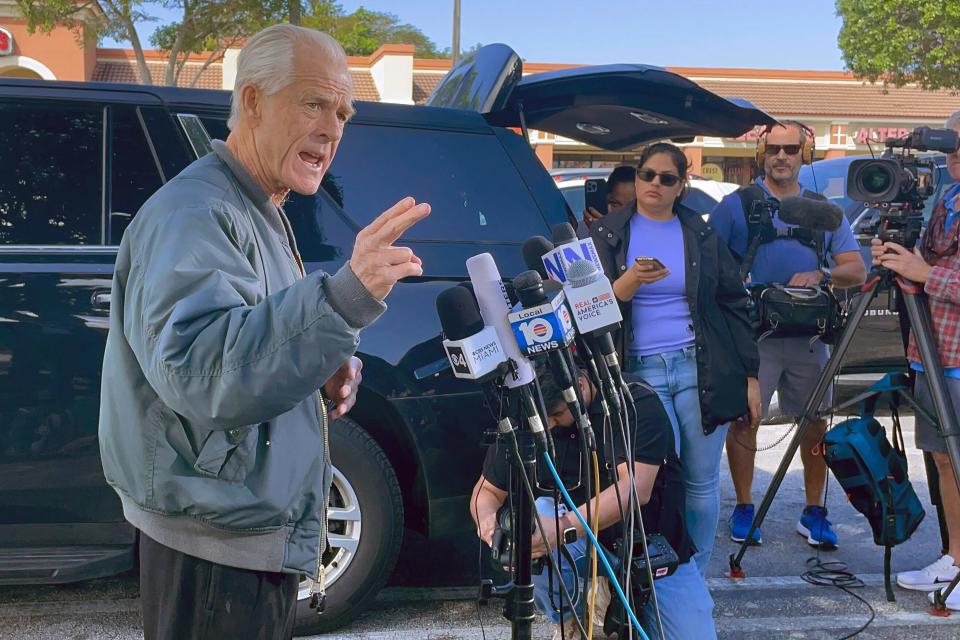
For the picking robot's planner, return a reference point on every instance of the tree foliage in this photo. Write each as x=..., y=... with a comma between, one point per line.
x=363, y=31
x=902, y=41
x=209, y=27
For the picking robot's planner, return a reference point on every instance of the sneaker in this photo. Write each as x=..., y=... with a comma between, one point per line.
x=816, y=528
x=931, y=577
x=740, y=521
x=953, y=600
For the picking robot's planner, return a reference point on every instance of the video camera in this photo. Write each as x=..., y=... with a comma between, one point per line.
x=898, y=184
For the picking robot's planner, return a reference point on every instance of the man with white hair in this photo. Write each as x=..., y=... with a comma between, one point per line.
x=223, y=354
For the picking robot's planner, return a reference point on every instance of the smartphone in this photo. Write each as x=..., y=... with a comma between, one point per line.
x=595, y=194
x=648, y=260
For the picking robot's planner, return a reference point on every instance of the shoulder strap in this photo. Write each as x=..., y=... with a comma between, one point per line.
x=756, y=218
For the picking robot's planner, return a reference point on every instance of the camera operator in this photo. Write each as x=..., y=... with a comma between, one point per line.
x=936, y=266
x=788, y=365
x=685, y=603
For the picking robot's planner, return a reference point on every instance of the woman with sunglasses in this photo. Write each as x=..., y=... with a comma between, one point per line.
x=685, y=328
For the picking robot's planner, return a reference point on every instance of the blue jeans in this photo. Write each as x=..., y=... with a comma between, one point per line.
x=673, y=375
x=686, y=607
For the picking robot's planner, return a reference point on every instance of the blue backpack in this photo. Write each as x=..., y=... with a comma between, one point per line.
x=874, y=473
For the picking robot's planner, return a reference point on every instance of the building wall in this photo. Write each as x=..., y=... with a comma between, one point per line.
x=58, y=54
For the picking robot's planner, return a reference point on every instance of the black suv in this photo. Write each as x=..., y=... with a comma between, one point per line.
x=82, y=158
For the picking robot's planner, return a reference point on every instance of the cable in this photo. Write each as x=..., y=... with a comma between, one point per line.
x=593, y=556
x=593, y=540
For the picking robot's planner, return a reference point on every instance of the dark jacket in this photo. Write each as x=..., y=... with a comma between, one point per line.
x=726, y=349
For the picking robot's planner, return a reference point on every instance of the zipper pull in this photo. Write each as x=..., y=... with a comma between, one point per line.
x=318, y=601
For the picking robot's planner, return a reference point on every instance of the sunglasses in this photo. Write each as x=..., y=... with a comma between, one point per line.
x=789, y=149
x=666, y=179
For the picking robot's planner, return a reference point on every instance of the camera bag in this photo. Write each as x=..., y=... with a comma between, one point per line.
x=873, y=472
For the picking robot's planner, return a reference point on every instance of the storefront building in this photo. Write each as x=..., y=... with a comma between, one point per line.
x=848, y=116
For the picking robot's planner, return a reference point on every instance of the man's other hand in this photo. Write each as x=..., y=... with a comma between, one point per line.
x=375, y=261
x=806, y=279
x=342, y=387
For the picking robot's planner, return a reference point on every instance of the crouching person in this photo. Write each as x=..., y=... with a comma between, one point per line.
x=685, y=604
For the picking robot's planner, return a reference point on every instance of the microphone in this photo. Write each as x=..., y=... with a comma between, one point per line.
x=541, y=325
x=598, y=315
x=808, y=213
x=473, y=349
x=567, y=250
x=540, y=322
x=592, y=301
x=533, y=250
x=494, y=307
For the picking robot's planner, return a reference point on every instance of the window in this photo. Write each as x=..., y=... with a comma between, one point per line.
x=51, y=182
x=468, y=179
x=134, y=173
x=838, y=135
x=196, y=134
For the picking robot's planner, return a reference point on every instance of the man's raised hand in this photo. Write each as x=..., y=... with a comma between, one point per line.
x=376, y=262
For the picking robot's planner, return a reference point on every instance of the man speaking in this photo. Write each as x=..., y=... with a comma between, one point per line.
x=213, y=430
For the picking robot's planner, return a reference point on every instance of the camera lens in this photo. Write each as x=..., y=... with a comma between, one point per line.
x=876, y=179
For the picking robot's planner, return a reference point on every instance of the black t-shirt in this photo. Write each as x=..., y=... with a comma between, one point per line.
x=652, y=444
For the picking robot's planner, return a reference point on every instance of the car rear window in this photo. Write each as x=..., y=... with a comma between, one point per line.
x=471, y=184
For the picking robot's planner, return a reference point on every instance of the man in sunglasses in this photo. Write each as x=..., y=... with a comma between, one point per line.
x=790, y=366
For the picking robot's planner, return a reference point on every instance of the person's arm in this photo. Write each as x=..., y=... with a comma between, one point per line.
x=941, y=282
x=213, y=347
x=485, y=500
x=639, y=274
x=849, y=269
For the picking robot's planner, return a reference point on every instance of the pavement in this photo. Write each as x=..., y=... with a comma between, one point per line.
x=432, y=594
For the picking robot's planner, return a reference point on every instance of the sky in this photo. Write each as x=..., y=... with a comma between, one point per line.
x=775, y=34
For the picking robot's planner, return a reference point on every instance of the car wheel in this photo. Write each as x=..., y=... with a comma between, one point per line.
x=365, y=518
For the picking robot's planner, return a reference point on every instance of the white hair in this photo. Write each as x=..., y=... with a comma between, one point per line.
x=266, y=60
x=953, y=122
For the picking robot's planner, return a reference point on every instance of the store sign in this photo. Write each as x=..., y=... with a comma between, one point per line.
x=874, y=135
x=6, y=42
x=711, y=171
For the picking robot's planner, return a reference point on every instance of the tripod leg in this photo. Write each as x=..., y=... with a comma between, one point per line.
x=810, y=411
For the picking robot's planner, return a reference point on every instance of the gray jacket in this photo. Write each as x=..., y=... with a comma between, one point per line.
x=212, y=430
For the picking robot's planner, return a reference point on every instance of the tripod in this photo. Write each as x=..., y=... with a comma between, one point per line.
x=919, y=316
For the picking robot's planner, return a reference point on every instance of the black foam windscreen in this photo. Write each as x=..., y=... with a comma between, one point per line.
x=808, y=213
x=459, y=313
x=563, y=233
x=529, y=286
x=534, y=249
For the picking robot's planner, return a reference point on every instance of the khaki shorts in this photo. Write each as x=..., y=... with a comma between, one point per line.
x=928, y=438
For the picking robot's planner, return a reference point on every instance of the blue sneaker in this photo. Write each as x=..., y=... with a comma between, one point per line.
x=816, y=528
x=740, y=522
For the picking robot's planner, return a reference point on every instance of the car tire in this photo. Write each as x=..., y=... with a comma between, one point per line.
x=365, y=490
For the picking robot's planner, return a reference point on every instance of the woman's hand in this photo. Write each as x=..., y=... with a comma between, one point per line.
x=753, y=401
x=647, y=272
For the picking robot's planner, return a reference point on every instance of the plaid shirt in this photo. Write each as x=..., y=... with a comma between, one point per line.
x=942, y=289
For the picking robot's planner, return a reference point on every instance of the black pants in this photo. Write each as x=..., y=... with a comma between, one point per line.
x=186, y=598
